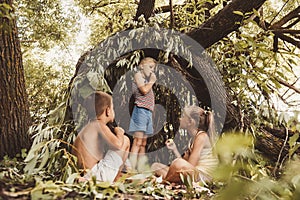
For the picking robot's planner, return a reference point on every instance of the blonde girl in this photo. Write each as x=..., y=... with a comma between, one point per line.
x=198, y=160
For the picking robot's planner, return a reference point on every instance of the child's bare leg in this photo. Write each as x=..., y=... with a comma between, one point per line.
x=178, y=166
x=160, y=169
x=135, y=149
x=142, y=160
x=143, y=144
x=123, y=153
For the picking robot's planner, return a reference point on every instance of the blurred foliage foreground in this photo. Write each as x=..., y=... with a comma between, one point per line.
x=48, y=171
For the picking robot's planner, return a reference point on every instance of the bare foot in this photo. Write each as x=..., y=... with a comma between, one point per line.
x=82, y=179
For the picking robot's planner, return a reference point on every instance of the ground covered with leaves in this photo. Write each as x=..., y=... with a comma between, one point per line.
x=241, y=174
x=17, y=185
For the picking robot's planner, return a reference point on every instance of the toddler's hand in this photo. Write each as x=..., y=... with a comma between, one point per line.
x=152, y=78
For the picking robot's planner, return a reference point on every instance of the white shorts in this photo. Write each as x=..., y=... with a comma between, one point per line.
x=107, y=168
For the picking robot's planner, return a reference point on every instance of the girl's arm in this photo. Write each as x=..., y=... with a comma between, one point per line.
x=199, y=143
x=172, y=146
x=140, y=81
x=177, y=154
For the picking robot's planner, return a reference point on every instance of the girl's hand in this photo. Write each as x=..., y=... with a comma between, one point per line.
x=152, y=78
x=170, y=144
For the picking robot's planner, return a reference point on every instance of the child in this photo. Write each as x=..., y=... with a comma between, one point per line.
x=95, y=136
x=141, y=118
x=198, y=160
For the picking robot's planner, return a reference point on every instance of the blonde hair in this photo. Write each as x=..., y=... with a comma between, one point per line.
x=147, y=60
x=204, y=120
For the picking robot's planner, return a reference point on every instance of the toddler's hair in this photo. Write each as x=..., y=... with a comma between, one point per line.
x=147, y=60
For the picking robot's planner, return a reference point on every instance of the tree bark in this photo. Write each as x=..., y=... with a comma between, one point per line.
x=276, y=149
x=146, y=8
x=224, y=22
x=14, y=108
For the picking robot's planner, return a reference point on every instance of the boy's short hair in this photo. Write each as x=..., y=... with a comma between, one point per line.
x=147, y=59
x=96, y=103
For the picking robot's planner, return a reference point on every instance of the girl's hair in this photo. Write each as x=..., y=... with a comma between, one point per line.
x=147, y=60
x=204, y=120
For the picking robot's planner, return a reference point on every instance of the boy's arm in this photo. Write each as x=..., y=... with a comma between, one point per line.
x=113, y=140
x=144, y=87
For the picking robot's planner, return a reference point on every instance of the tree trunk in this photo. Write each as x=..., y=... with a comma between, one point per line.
x=145, y=8
x=14, y=109
x=274, y=148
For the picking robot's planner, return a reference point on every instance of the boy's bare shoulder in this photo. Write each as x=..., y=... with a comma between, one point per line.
x=89, y=128
x=101, y=127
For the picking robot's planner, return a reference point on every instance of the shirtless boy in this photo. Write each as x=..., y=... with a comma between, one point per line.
x=95, y=137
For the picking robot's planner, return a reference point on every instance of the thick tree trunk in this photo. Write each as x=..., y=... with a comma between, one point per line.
x=14, y=110
x=276, y=149
x=204, y=94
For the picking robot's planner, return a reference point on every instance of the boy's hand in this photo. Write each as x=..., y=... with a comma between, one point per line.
x=119, y=131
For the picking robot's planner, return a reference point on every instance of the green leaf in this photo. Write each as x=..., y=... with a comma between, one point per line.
x=29, y=168
x=71, y=178
x=45, y=158
x=108, y=192
x=238, y=13
x=292, y=150
x=104, y=184
x=32, y=153
x=189, y=181
x=292, y=141
x=85, y=91
x=255, y=12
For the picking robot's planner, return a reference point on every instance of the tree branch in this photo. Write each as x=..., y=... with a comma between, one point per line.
x=288, y=85
x=285, y=19
x=279, y=132
x=279, y=31
x=171, y=14
x=163, y=9
x=290, y=31
x=224, y=22
x=288, y=39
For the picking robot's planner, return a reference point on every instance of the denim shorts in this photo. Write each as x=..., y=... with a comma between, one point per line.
x=141, y=120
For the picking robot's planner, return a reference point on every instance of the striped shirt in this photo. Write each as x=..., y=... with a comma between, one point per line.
x=144, y=101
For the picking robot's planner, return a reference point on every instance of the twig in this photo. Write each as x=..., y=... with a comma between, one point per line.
x=279, y=12
x=285, y=19
x=281, y=150
x=288, y=39
x=288, y=85
x=171, y=14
